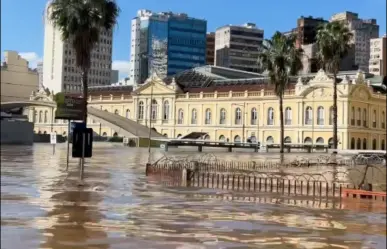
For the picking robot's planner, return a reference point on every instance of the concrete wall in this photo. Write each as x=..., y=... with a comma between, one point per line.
x=16, y=132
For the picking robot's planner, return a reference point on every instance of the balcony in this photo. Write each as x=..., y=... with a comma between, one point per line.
x=238, y=121
x=270, y=122
x=179, y=121
x=365, y=124
x=320, y=121
x=207, y=121
x=308, y=121
x=222, y=121
x=253, y=122
x=383, y=125
x=358, y=123
x=374, y=124
x=352, y=122
x=194, y=121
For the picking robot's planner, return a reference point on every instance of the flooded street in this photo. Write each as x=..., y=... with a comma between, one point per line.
x=119, y=207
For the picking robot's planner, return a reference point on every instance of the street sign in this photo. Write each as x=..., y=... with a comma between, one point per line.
x=82, y=142
x=53, y=138
x=69, y=107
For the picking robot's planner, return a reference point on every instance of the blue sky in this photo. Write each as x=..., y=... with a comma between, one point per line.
x=22, y=20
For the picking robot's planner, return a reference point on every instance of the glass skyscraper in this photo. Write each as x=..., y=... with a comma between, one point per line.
x=166, y=43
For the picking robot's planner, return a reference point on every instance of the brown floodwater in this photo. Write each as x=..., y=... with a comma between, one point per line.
x=42, y=206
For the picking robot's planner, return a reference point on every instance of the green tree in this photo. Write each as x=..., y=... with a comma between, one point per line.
x=281, y=59
x=333, y=42
x=81, y=22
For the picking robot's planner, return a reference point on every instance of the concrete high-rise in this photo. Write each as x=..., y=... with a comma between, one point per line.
x=60, y=73
x=210, y=52
x=39, y=68
x=306, y=30
x=17, y=79
x=237, y=47
x=165, y=43
x=363, y=31
x=378, y=56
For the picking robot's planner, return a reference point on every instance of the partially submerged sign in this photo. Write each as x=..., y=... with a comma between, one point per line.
x=68, y=107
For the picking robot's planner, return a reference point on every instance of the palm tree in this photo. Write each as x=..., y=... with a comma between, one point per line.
x=333, y=42
x=80, y=22
x=281, y=59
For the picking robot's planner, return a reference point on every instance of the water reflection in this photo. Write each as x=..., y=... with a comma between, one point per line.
x=43, y=207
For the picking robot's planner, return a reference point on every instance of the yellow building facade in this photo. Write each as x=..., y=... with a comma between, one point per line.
x=17, y=79
x=242, y=112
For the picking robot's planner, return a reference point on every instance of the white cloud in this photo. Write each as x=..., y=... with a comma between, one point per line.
x=32, y=57
x=121, y=66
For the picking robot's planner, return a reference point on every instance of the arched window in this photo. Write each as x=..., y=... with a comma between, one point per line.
x=208, y=117
x=308, y=140
x=308, y=115
x=207, y=137
x=45, y=132
x=106, y=110
x=116, y=112
x=104, y=134
x=374, y=144
x=287, y=140
x=374, y=119
x=330, y=142
x=383, y=120
x=358, y=122
x=35, y=117
x=238, y=116
x=46, y=117
x=270, y=116
x=320, y=140
x=365, y=117
x=320, y=115
x=166, y=110
x=383, y=145
x=352, y=143
x=141, y=110
x=353, y=115
x=269, y=140
x=180, y=116
x=127, y=113
x=40, y=116
x=358, y=144
x=154, y=108
x=194, y=116
x=222, y=118
x=331, y=115
x=115, y=134
x=165, y=135
x=179, y=135
x=222, y=138
x=364, y=144
x=288, y=116
x=254, y=116
x=253, y=139
x=237, y=139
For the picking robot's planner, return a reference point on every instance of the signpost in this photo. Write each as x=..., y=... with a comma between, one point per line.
x=53, y=141
x=82, y=145
x=71, y=108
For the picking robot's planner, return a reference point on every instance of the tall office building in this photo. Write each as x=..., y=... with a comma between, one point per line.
x=378, y=56
x=306, y=30
x=238, y=46
x=60, y=73
x=166, y=43
x=363, y=31
x=210, y=53
x=39, y=68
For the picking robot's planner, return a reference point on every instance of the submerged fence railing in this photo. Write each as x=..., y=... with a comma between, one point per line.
x=262, y=177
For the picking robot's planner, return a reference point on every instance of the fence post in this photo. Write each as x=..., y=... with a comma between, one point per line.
x=254, y=183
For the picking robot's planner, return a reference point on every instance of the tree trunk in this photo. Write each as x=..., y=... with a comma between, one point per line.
x=85, y=77
x=335, y=142
x=281, y=109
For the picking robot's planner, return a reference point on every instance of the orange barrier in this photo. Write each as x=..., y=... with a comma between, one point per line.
x=358, y=193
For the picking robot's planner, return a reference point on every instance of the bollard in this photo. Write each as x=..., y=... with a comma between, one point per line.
x=147, y=168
